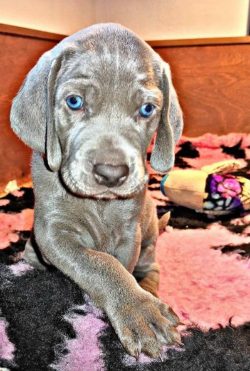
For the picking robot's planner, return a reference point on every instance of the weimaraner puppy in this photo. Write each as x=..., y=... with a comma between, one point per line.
x=89, y=110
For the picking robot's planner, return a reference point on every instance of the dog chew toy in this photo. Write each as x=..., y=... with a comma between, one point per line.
x=211, y=190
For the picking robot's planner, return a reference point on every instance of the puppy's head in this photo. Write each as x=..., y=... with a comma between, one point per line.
x=92, y=104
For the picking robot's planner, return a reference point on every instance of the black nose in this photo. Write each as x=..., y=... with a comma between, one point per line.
x=110, y=175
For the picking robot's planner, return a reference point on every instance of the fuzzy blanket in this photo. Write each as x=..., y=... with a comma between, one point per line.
x=48, y=323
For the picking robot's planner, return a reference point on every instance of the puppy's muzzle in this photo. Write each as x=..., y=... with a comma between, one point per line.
x=110, y=175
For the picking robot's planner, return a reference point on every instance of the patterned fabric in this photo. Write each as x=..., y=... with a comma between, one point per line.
x=48, y=323
x=224, y=193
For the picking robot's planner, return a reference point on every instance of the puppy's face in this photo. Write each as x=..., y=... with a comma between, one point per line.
x=106, y=110
x=92, y=104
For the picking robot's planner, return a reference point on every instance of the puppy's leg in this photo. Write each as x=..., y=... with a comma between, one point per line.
x=149, y=281
x=31, y=255
x=147, y=270
x=141, y=321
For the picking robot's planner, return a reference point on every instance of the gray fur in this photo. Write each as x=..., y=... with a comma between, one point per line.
x=102, y=236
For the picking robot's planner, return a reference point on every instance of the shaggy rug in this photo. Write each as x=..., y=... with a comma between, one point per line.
x=48, y=323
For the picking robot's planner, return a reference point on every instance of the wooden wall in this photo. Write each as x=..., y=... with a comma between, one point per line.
x=211, y=76
x=213, y=84
x=19, y=51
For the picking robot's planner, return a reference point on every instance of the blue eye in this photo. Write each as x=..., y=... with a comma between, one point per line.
x=74, y=102
x=146, y=110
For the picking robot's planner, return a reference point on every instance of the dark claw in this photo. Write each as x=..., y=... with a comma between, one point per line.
x=161, y=358
x=178, y=341
x=137, y=355
x=174, y=316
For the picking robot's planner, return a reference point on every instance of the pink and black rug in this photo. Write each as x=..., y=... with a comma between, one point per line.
x=48, y=323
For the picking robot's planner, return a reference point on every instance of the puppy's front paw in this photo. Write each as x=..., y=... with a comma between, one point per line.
x=145, y=324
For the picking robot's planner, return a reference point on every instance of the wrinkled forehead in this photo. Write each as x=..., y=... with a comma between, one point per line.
x=113, y=62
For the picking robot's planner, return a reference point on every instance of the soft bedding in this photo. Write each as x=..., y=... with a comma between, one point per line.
x=48, y=323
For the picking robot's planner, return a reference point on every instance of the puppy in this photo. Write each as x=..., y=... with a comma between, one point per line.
x=89, y=110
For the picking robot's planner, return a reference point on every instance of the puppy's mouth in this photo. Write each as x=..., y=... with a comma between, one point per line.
x=83, y=189
x=114, y=194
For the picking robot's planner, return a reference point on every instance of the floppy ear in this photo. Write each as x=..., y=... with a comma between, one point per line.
x=170, y=125
x=53, y=147
x=32, y=111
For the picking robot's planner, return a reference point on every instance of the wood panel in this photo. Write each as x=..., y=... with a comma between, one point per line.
x=17, y=56
x=213, y=84
x=199, y=42
x=29, y=33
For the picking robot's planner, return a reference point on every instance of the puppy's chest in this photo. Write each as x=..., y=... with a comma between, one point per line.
x=117, y=237
x=111, y=228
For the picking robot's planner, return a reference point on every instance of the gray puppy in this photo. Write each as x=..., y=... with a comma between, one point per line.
x=89, y=109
